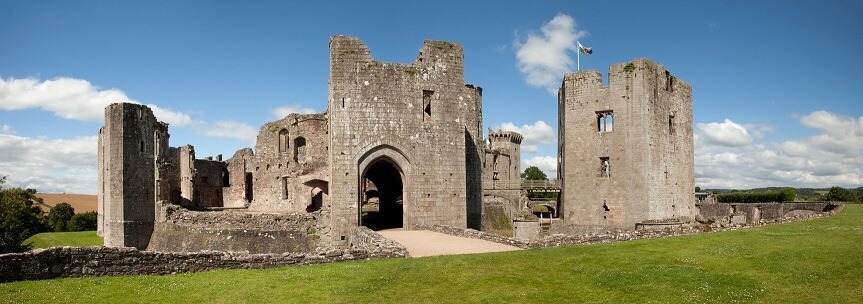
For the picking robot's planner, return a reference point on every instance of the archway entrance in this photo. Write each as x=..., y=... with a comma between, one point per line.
x=382, y=201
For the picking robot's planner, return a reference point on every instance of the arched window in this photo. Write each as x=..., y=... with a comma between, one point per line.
x=283, y=141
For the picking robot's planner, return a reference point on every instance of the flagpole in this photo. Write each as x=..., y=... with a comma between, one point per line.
x=578, y=55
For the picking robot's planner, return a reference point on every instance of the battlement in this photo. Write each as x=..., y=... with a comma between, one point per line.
x=505, y=136
x=642, y=68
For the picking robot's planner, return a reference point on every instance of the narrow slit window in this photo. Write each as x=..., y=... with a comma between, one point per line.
x=343, y=102
x=671, y=124
x=142, y=146
x=604, y=167
x=604, y=121
x=283, y=141
x=427, y=105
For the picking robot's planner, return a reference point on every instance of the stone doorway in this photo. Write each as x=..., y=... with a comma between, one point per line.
x=382, y=195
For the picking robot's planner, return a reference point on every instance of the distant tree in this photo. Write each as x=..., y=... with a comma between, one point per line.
x=31, y=190
x=20, y=218
x=83, y=222
x=839, y=194
x=533, y=173
x=59, y=216
x=697, y=189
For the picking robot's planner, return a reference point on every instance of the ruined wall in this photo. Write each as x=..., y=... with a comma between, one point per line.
x=234, y=231
x=238, y=166
x=208, y=182
x=756, y=212
x=641, y=125
x=291, y=163
x=381, y=111
x=127, y=178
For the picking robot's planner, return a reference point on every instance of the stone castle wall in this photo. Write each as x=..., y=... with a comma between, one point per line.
x=640, y=124
x=421, y=117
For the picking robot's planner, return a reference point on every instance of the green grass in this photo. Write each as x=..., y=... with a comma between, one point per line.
x=817, y=261
x=51, y=239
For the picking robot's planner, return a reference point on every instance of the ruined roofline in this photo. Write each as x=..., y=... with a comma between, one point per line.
x=364, y=53
x=620, y=69
x=505, y=136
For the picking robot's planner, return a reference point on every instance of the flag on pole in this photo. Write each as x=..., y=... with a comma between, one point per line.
x=584, y=49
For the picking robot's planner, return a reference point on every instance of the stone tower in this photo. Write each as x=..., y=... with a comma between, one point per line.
x=413, y=130
x=506, y=155
x=625, y=149
x=127, y=179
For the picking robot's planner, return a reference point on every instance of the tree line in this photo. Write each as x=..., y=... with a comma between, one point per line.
x=21, y=217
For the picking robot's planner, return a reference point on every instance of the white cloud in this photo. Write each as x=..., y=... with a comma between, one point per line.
x=72, y=98
x=228, y=129
x=727, y=134
x=832, y=158
x=547, y=164
x=545, y=58
x=49, y=165
x=281, y=112
x=535, y=135
x=78, y=99
x=6, y=129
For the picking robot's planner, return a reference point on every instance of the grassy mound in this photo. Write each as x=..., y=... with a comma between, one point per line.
x=51, y=239
x=813, y=261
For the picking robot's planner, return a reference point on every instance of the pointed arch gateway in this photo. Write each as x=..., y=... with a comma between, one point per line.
x=384, y=172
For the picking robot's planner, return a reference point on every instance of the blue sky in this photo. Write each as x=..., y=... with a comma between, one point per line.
x=775, y=83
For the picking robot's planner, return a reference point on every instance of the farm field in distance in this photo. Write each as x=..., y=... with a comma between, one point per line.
x=812, y=261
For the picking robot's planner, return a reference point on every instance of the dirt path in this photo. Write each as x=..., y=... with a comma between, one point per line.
x=422, y=243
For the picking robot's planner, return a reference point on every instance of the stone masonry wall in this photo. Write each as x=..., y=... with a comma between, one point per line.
x=235, y=231
x=378, y=111
x=647, y=143
x=290, y=152
x=65, y=262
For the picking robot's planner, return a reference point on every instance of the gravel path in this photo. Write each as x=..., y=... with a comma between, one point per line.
x=422, y=243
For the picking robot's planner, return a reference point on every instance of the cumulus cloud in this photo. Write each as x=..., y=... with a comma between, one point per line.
x=284, y=110
x=727, y=134
x=49, y=165
x=72, y=98
x=833, y=157
x=6, y=129
x=227, y=129
x=547, y=164
x=545, y=57
x=535, y=135
x=78, y=99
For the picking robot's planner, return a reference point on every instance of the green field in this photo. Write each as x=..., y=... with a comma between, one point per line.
x=818, y=261
x=51, y=239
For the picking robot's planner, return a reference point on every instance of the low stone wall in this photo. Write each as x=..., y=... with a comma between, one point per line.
x=375, y=244
x=617, y=235
x=64, y=262
x=476, y=234
x=755, y=212
x=184, y=230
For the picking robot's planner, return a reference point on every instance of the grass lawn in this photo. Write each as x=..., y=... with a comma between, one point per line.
x=818, y=261
x=51, y=239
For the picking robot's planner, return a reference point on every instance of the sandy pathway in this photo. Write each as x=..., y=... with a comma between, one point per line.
x=422, y=243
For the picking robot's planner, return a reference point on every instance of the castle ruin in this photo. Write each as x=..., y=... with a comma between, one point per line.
x=625, y=150
x=399, y=145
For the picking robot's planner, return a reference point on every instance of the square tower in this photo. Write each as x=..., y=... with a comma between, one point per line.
x=626, y=149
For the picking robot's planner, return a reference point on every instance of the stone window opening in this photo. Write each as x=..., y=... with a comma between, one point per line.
x=285, y=192
x=300, y=150
x=671, y=124
x=142, y=146
x=669, y=82
x=284, y=145
x=604, y=121
x=604, y=167
x=427, y=105
x=225, y=178
x=343, y=102
x=605, y=210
